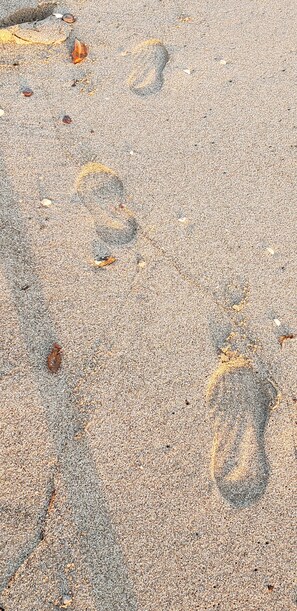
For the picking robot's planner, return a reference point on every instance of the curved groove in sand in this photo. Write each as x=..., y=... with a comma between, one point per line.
x=100, y=552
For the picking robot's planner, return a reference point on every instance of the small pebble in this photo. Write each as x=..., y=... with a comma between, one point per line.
x=46, y=203
x=277, y=322
x=140, y=262
x=66, y=602
x=67, y=119
x=223, y=62
x=1, y=112
x=182, y=219
x=54, y=358
x=68, y=18
x=27, y=92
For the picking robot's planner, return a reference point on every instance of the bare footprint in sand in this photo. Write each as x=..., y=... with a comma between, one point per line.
x=34, y=26
x=241, y=399
x=150, y=59
x=102, y=192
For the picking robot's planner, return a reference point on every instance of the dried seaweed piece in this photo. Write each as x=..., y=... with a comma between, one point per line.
x=283, y=338
x=80, y=51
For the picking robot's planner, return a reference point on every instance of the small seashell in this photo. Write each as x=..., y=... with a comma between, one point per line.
x=67, y=119
x=104, y=262
x=27, y=92
x=68, y=18
x=1, y=112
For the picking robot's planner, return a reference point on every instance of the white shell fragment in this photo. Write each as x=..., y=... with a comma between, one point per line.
x=187, y=71
x=1, y=112
x=141, y=264
x=277, y=322
x=46, y=203
x=58, y=15
x=270, y=250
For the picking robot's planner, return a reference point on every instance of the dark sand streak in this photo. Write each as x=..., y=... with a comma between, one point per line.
x=101, y=555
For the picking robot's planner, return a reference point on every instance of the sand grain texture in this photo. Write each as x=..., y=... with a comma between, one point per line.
x=108, y=495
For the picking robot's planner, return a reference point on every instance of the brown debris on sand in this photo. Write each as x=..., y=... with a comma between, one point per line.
x=54, y=359
x=80, y=51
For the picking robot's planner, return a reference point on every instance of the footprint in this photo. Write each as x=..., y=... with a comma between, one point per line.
x=29, y=14
x=150, y=59
x=241, y=401
x=240, y=397
x=46, y=32
x=102, y=192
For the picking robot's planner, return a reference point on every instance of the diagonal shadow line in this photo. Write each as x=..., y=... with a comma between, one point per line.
x=101, y=555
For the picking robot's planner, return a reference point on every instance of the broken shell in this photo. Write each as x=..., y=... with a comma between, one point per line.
x=68, y=18
x=103, y=262
x=46, y=202
x=80, y=51
x=27, y=92
x=270, y=250
x=67, y=119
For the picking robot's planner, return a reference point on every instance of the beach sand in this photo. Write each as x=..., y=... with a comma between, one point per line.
x=153, y=237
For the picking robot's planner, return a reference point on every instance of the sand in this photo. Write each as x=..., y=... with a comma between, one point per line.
x=153, y=238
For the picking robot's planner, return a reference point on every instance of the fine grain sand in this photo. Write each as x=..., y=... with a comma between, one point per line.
x=148, y=228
